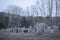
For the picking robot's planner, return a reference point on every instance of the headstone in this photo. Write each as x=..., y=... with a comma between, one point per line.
x=52, y=31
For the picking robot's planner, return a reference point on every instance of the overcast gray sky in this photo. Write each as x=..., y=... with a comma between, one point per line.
x=20, y=3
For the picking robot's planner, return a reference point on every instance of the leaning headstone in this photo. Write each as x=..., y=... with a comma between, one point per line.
x=52, y=31
x=19, y=30
x=2, y=30
x=48, y=29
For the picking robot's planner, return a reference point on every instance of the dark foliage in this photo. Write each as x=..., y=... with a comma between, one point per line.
x=24, y=22
x=4, y=20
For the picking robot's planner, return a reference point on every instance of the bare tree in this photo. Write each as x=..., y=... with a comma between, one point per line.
x=50, y=9
x=42, y=9
x=14, y=9
x=33, y=13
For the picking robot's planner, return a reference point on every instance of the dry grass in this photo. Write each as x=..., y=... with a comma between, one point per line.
x=27, y=36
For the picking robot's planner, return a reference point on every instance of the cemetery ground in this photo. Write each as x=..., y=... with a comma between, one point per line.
x=29, y=36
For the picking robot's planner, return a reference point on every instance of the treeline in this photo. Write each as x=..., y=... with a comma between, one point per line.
x=40, y=12
x=12, y=20
x=4, y=20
